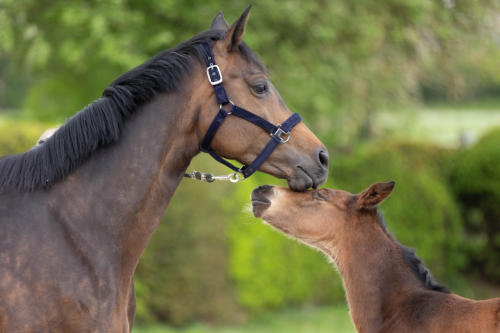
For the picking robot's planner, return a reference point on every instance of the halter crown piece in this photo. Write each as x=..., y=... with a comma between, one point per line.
x=279, y=133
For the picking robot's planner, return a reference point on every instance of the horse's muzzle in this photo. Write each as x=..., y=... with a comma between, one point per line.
x=311, y=173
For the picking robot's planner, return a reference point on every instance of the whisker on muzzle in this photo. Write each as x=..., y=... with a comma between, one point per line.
x=247, y=209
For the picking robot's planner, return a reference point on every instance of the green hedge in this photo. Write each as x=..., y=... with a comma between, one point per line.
x=476, y=181
x=18, y=136
x=421, y=212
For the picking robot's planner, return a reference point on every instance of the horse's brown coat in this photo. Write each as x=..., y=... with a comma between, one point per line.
x=383, y=292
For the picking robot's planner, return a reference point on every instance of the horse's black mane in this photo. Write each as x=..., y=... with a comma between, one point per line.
x=416, y=264
x=100, y=123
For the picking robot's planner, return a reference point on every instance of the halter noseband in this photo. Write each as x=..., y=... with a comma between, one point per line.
x=279, y=133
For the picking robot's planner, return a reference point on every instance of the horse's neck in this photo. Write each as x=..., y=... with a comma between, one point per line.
x=124, y=188
x=376, y=277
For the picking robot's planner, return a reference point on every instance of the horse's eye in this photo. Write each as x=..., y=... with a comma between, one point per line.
x=260, y=88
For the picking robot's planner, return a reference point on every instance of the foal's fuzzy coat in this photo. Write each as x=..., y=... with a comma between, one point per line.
x=387, y=287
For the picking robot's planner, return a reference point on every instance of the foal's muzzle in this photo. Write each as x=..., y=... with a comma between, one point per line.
x=260, y=199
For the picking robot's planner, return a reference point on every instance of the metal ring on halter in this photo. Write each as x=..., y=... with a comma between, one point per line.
x=228, y=112
x=234, y=177
x=279, y=135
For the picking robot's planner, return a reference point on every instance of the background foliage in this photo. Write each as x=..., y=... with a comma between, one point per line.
x=354, y=70
x=348, y=58
x=476, y=181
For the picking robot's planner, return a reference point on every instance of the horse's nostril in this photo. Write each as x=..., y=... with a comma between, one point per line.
x=323, y=158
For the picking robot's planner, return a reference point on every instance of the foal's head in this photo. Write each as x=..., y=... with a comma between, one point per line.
x=321, y=218
x=303, y=161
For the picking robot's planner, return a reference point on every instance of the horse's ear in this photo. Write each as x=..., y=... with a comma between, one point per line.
x=374, y=195
x=234, y=35
x=219, y=22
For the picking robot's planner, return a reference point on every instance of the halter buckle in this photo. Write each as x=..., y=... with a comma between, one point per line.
x=279, y=135
x=214, y=75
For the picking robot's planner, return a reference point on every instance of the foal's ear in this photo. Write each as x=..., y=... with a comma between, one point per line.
x=219, y=22
x=234, y=35
x=374, y=195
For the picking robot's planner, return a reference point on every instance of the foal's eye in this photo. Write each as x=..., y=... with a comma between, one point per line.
x=260, y=88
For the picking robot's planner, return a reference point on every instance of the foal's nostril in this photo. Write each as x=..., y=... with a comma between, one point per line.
x=323, y=158
x=263, y=188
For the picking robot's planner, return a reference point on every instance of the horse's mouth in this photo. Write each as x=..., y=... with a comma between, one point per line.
x=259, y=199
x=302, y=180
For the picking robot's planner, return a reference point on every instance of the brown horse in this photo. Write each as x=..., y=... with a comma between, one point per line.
x=77, y=211
x=387, y=286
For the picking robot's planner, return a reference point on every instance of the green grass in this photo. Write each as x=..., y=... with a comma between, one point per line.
x=480, y=104
x=445, y=126
x=308, y=320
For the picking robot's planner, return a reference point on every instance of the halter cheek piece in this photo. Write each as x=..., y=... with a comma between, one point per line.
x=279, y=133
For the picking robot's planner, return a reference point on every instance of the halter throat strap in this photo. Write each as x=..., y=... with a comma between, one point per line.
x=280, y=134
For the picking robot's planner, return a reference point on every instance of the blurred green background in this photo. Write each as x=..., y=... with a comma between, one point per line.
x=404, y=90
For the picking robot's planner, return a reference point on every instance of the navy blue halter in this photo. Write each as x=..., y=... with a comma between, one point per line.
x=279, y=133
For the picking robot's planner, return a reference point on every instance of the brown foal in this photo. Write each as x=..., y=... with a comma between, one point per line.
x=387, y=286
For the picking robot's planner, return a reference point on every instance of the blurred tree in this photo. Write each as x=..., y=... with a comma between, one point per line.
x=346, y=58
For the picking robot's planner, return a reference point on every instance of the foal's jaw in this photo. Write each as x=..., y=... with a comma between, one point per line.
x=294, y=214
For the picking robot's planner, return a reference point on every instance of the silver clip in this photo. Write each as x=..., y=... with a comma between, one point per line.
x=210, y=178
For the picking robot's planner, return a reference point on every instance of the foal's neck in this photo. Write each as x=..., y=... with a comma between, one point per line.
x=377, y=279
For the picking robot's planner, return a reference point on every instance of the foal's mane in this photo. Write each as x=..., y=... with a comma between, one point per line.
x=416, y=264
x=101, y=122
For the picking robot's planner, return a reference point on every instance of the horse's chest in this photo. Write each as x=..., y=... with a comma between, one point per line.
x=55, y=280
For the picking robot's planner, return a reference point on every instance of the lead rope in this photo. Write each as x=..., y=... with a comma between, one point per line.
x=210, y=178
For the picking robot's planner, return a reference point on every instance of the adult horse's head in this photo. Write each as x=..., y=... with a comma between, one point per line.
x=303, y=160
